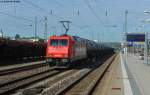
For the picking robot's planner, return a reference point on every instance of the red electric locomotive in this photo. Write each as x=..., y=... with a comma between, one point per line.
x=64, y=49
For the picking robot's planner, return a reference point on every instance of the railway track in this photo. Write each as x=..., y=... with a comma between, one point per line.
x=52, y=81
x=87, y=85
x=82, y=82
x=16, y=78
x=11, y=86
x=38, y=88
x=23, y=68
x=71, y=82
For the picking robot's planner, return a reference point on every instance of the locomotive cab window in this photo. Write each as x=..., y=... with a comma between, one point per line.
x=54, y=42
x=63, y=42
x=57, y=42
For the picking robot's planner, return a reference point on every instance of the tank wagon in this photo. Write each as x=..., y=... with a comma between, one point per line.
x=65, y=49
x=18, y=50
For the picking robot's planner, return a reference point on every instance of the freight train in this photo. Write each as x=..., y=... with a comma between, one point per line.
x=19, y=50
x=65, y=49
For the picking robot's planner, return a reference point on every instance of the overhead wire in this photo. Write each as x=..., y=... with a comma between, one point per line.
x=34, y=5
x=58, y=3
x=9, y=1
x=94, y=13
x=24, y=5
x=97, y=17
x=42, y=9
x=50, y=13
x=16, y=17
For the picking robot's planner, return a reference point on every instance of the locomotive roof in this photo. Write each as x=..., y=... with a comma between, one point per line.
x=79, y=39
x=76, y=38
x=82, y=39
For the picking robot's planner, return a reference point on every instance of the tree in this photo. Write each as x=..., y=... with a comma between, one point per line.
x=17, y=36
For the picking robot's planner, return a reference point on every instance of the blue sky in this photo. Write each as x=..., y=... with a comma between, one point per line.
x=91, y=22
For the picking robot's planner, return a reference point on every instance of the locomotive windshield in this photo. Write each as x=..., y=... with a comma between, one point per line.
x=63, y=42
x=54, y=42
x=59, y=42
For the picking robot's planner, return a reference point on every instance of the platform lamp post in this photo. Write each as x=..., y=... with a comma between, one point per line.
x=146, y=50
x=140, y=29
x=145, y=46
x=125, y=30
x=146, y=40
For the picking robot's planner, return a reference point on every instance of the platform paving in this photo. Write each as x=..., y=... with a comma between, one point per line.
x=111, y=83
x=115, y=86
x=129, y=76
x=139, y=74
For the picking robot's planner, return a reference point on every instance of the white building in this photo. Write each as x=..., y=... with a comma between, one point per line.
x=1, y=35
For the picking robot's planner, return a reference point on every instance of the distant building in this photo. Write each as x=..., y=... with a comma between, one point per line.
x=29, y=39
x=95, y=40
x=34, y=40
x=148, y=41
x=1, y=35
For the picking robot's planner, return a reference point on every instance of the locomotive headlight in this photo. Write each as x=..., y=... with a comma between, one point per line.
x=50, y=55
x=65, y=55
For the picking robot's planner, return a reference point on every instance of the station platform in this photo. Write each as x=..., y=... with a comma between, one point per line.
x=128, y=75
